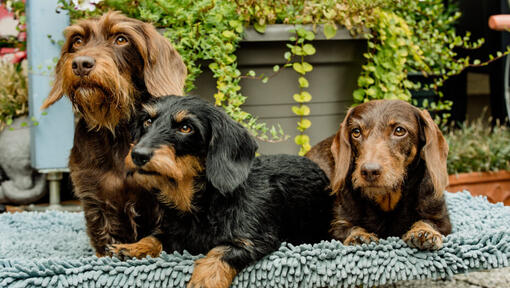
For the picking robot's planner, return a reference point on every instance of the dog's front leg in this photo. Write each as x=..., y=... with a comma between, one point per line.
x=427, y=233
x=100, y=227
x=222, y=263
x=213, y=271
x=147, y=246
x=344, y=231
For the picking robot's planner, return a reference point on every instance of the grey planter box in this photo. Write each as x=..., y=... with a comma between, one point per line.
x=336, y=67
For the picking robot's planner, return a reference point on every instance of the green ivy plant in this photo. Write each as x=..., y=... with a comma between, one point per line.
x=415, y=37
x=301, y=49
x=404, y=36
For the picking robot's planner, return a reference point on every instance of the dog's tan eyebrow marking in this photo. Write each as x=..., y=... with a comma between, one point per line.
x=74, y=30
x=122, y=28
x=180, y=115
x=151, y=110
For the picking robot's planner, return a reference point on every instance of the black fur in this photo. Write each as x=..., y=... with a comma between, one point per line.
x=240, y=199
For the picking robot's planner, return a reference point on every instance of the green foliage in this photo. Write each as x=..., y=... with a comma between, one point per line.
x=476, y=147
x=13, y=92
x=389, y=48
x=409, y=36
x=404, y=36
x=300, y=49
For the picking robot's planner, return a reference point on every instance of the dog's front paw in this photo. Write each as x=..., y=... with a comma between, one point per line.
x=211, y=271
x=148, y=246
x=423, y=237
x=360, y=236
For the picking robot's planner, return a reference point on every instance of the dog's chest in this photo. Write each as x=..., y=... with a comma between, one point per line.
x=196, y=233
x=393, y=223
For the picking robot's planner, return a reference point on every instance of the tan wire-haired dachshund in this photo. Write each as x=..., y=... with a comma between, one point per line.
x=109, y=66
x=387, y=166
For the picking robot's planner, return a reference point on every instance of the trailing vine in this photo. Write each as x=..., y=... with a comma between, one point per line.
x=404, y=36
x=302, y=49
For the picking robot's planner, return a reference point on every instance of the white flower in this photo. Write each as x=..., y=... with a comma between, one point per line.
x=89, y=5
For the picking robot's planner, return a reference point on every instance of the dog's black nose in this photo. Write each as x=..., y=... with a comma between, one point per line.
x=371, y=171
x=141, y=155
x=82, y=65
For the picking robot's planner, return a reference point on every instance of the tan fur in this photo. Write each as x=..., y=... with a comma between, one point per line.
x=359, y=235
x=423, y=236
x=151, y=110
x=387, y=200
x=147, y=246
x=180, y=115
x=339, y=225
x=211, y=271
x=182, y=170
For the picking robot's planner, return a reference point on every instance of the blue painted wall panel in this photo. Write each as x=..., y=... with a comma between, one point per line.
x=52, y=139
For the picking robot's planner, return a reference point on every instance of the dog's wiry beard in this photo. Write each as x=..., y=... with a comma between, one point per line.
x=104, y=99
x=386, y=196
x=100, y=108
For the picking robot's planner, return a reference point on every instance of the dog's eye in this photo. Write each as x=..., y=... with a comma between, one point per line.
x=147, y=123
x=121, y=40
x=356, y=132
x=399, y=131
x=186, y=129
x=77, y=41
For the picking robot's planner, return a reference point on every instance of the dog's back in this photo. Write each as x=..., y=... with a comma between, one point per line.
x=300, y=194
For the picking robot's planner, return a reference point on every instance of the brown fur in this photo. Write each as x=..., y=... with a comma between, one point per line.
x=175, y=177
x=211, y=271
x=147, y=246
x=383, y=204
x=109, y=94
x=123, y=77
x=321, y=154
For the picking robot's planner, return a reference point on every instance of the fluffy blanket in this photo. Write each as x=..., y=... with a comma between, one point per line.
x=51, y=249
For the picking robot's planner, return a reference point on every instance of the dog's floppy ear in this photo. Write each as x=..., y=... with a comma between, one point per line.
x=341, y=150
x=230, y=153
x=57, y=90
x=434, y=152
x=164, y=70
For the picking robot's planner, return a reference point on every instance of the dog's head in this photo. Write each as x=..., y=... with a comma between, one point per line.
x=182, y=143
x=108, y=63
x=376, y=144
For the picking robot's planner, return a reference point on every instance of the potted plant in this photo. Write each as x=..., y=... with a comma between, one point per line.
x=19, y=183
x=479, y=160
x=316, y=79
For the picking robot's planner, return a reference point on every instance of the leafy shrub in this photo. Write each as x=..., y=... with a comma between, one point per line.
x=13, y=92
x=476, y=147
x=403, y=36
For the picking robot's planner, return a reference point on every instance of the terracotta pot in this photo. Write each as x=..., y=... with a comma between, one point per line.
x=494, y=185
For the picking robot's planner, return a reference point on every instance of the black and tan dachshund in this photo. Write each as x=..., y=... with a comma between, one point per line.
x=221, y=200
x=387, y=164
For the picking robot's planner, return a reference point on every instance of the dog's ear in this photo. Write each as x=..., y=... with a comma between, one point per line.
x=341, y=150
x=230, y=154
x=434, y=152
x=57, y=91
x=164, y=70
